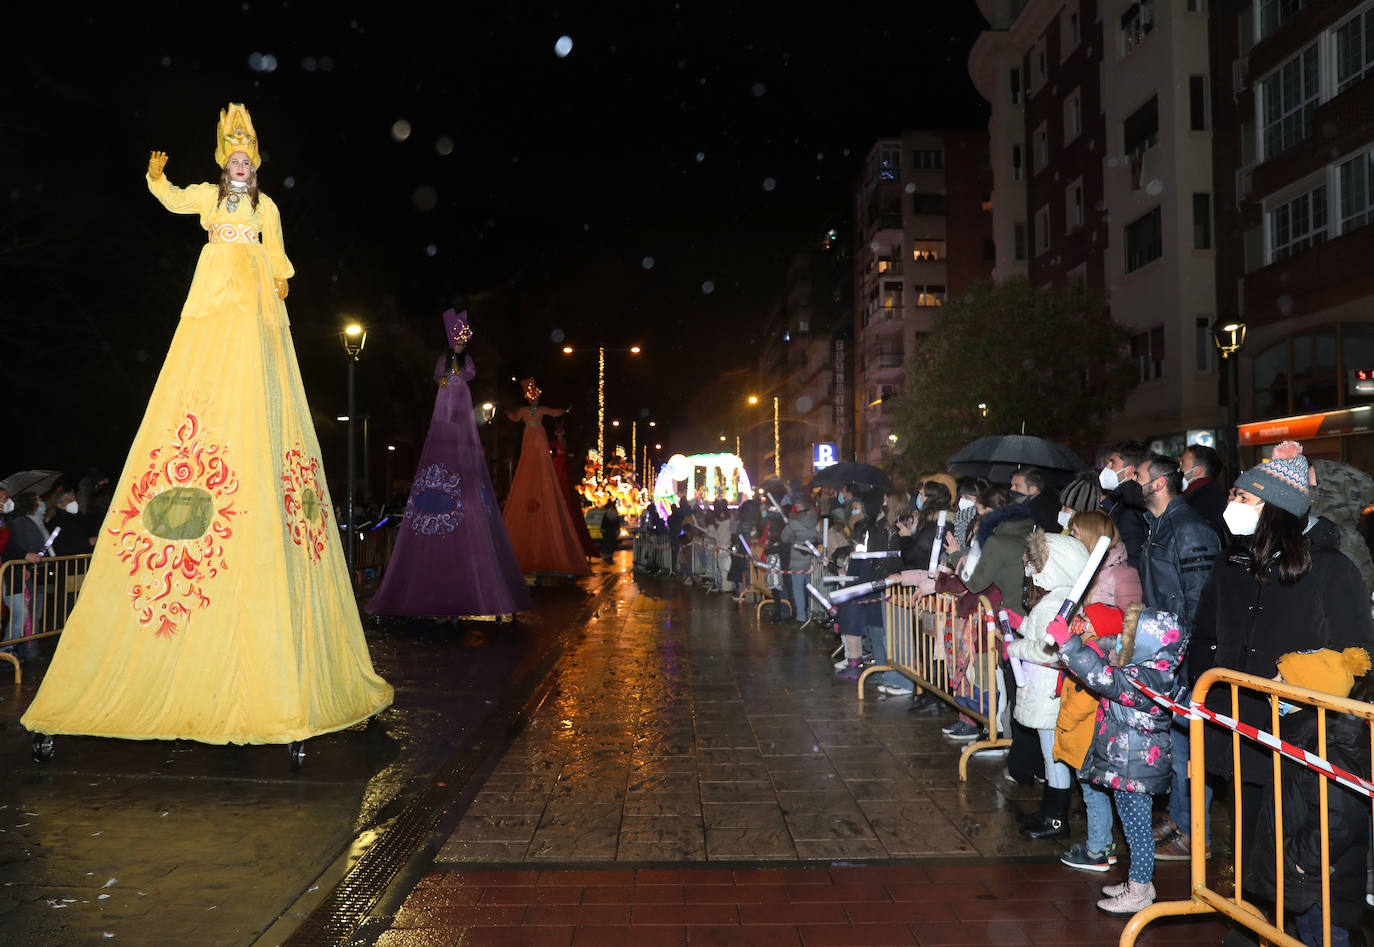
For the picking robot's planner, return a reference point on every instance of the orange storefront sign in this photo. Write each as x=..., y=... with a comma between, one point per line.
x=1325, y=424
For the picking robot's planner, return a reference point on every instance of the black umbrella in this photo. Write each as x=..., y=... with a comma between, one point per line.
x=30, y=481
x=863, y=475
x=997, y=458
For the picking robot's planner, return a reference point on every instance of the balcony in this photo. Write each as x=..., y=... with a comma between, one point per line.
x=890, y=267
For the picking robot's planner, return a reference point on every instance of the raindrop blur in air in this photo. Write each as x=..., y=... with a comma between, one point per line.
x=647, y=263
x=400, y=129
x=1155, y=187
x=444, y=145
x=769, y=184
x=425, y=198
x=562, y=46
x=708, y=287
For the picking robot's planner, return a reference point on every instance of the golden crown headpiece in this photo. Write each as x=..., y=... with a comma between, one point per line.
x=235, y=133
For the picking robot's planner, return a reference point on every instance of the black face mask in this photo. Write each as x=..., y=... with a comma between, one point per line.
x=1132, y=494
x=1019, y=495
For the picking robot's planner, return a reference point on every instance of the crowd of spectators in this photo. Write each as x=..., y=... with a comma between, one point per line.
x=1271, y=577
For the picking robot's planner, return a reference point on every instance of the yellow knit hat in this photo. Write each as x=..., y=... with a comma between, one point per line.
x=1331, y=672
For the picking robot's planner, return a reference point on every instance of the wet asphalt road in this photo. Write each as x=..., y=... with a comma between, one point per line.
x=185, y=843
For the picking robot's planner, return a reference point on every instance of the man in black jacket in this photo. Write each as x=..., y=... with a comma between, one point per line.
x=1201, y=489
x=1129, y=518
x=1175, y=561
x=1028, y=487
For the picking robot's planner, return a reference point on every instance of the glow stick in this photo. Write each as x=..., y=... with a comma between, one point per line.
x=885, y=554
x=939, y=540
x=1080, y=584
x=47, y=546
x=811, y=547
x=1018, y=667
x=825, y=603
x=775, y=506
x=748, y=553
x=825, y=533
x=865, y=588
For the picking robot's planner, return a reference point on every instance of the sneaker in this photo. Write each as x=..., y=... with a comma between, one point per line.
x=1165, y=829
x=896, y=690
x=1178, y=849
x=1079, y=857
x=950, y=728
x=851, y=671
x=1136, y=896
x=963, y=732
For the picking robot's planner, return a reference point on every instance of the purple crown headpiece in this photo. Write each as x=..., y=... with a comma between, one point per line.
x=456, y=325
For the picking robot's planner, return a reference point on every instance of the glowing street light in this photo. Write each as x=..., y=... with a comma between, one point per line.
x=601, y=396
x=354, y=337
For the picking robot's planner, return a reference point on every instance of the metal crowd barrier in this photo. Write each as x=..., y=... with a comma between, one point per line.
x=1206, y=900
x=373, y=552
x=40, y=595
x=916, y=628
x=651, y=552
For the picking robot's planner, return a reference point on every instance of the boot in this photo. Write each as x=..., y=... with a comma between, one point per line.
x=851, y=671
x=1055, y=821
x=1137, y=896
x=777, y=618
x=1030, y=820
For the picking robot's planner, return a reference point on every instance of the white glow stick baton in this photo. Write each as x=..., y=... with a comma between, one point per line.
x=811, y=547
x=775, y=506
x=884, y=554
x=1018, y=667
x=865, y=588
x=1080, y=584
x=939, y=540
x=47, y=546
x=825, y=603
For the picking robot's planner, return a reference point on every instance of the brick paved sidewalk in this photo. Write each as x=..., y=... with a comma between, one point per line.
x=686, y=750
x=761, y=907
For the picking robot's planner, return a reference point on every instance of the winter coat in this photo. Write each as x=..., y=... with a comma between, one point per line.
x=1132, y=748
x=1117, y=583
x=1130, y=523
x=996, y=557
x=1208, y=500
x=26, y=537
x=1341, y=496
x=874, y=535
x=1037, y=703
x=1176, y=559
x=1246, y=625
x=801, y=529
x=1044, y=506
x=1347, y=746
x=1073, y=731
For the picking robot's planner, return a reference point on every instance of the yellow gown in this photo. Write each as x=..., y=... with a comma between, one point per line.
x=218, y=606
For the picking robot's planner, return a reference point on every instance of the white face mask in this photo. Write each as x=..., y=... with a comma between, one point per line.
x=8, y=507
x=966, y=503
x=1241, y=518
x=1064, y=519
x=1108, y=479
x=72, y=507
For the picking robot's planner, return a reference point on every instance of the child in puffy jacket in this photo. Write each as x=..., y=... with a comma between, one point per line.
x=1131, y=752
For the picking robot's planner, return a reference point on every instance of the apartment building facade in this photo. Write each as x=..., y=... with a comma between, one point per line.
x=1294, y=162
x=922, y=229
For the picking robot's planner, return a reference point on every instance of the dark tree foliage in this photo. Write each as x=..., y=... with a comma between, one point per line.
x=1049, y=359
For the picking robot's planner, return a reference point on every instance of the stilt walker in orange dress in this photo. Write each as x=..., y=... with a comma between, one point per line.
x=541, y=527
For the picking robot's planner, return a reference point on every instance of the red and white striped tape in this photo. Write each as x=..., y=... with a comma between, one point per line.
x=1194, y=711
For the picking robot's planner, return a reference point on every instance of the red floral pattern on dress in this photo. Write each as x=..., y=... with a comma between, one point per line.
x=171, y=573
x=307, y=512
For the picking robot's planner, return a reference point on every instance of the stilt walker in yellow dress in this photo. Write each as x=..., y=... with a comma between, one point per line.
x=218, y=606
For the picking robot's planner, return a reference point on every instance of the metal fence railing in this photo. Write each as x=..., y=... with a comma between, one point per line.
x=38, y=597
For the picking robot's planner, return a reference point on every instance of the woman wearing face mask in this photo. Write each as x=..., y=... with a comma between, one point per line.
x=1282, y=586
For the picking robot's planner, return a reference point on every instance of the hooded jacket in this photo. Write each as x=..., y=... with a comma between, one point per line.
x=1131, y=748
x=1341, y=496
x=996, y=555
x=1117, y=583
x=1057, y=561
x=1246, y=625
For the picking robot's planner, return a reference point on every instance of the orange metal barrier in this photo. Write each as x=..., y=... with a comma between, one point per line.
x=1206, y=900
x=43, y=594
x=949, y=656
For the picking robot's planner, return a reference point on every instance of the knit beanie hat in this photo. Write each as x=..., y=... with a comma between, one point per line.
x=1282, y=480
x=1331, y=672
x=1105, y=619
x=1082, y=494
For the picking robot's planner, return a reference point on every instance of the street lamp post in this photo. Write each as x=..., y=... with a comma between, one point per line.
x=354, y=338
x=1229, y=337
x=601, y=397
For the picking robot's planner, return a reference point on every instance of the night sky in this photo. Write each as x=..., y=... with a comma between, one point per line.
x=646, y=188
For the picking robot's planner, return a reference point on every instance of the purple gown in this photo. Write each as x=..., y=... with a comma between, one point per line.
x=452, y=556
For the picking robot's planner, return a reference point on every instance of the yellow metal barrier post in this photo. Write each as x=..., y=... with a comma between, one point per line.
x=1206, y=900
x=53, y=584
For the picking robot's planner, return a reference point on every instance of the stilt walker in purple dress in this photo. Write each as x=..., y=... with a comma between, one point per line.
x=452, y=556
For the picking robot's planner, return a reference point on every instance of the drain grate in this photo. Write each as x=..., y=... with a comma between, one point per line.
x=349, y=904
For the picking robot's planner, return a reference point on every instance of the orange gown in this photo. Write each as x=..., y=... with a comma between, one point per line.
x=542, y=530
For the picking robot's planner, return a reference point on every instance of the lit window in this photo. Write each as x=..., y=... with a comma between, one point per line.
x=1288, y=97
x=1136, y=23
x=1298, y=224
x=928, y=251
x=890, y=162
x=932, y=294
